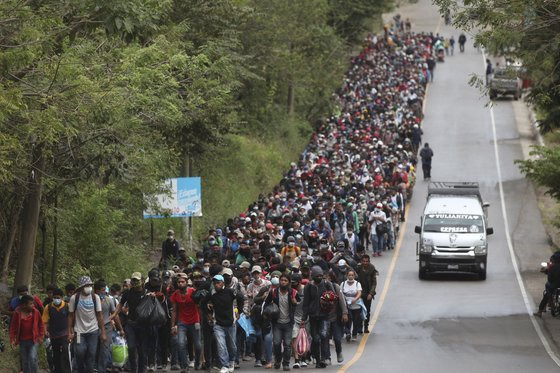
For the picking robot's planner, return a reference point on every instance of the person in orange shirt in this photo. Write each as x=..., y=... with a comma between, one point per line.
x=291, y=250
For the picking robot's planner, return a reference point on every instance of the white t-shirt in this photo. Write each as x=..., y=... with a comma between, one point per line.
x=85, y=315
x=350, y=291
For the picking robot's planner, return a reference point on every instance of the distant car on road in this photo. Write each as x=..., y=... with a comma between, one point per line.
x=505, y=81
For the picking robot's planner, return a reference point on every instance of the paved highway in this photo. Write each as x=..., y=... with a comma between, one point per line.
x=457, y=323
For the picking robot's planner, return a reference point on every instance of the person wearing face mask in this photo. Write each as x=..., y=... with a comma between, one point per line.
x=55, y=318
x=286, y=298
x=85, y=324
x=291, y=250
x=317, y=316
x=254, y=294
x=27, y=330
x=169, y=250
x=135, y=332
x=107, y=309
x=352, y=291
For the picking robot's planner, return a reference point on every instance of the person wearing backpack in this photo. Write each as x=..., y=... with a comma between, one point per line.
x=319, y=298
x=338, y=318
x=85, y=325
x=286, y=298
x=55, y=318
x=352, y=291
x=136, y=335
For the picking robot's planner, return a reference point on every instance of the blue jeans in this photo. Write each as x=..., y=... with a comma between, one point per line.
x=85, y=350
x=186, y=332
x=378, y=243
x=282, y=338
x=28, y=356
x=225, y=340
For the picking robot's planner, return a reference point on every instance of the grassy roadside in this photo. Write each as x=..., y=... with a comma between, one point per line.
x=550, y=207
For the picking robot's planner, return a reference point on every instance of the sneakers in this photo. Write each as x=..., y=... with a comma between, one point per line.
x=231, y=366
x=224, y=370
x=354, y=338
x=538, y=314
x=328, y=361
x=320, y=365
x=191, y=364
x=151, y=368
x=175, y=367
x=303, y=364
x=348, y=337
x=339, y=357
x=258, y=364
x=276, y=365
x=296, y=365
x=246, y=358
x=161, y=367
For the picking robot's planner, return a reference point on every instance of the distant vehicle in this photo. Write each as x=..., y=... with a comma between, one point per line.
x=453, y=230
x=506, y=81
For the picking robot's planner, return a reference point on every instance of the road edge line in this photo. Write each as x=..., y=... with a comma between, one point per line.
x=514, y=263
x=379, y=305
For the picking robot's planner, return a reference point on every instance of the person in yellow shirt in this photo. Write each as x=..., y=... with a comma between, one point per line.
x=290, y=251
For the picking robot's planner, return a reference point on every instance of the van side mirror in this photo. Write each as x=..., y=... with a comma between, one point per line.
x=489, y=231
x=486, y=205
x=418, y=229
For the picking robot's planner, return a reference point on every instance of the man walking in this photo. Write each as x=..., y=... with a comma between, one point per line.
x=426, y=154
x=27, y=331
x=489, y=71
x=367, y=275
x=85, y=324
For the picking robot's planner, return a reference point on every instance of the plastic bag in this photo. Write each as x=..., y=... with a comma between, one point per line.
x=145, y=309
x=150, y=311
x=245, y=324
x=271, y=311
x=120, y=352
x=302, y=342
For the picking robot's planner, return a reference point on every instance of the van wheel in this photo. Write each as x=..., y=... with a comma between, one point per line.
x=482, y=275
x=516, y=96
x=492, y=95
x=422, y=275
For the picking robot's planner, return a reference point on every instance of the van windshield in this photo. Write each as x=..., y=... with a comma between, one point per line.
x=453, y=223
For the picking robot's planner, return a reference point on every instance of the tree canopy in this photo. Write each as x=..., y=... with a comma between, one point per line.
x=100, y=101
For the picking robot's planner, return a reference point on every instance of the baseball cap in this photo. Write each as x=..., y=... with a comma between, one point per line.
x=225, y=263
x=256, y=269
x=136, y=276
x=218, y=278
x=227, y=271
x=342, y=263
x=245, y=265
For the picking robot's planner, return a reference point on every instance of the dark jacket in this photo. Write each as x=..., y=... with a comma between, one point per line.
x=311, y=299
x=368, y=279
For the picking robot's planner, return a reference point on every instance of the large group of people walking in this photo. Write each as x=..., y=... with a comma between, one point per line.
x=299, y=258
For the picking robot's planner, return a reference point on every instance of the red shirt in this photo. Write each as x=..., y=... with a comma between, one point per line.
x=186, y=308
x=26, y=328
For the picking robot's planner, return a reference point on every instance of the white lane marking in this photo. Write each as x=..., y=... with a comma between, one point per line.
x=526, y=300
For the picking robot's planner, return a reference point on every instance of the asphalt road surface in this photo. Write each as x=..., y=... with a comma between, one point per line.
x=458, y=323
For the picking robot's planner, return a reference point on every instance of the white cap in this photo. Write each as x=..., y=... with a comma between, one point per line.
x=342, y=263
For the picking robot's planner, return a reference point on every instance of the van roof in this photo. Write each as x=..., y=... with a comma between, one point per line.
x=451, y=204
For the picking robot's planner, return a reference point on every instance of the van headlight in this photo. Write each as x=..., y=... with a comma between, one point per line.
x=426, y=249
x=480, y=250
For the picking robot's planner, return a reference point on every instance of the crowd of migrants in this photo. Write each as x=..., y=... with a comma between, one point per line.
x=282, y=280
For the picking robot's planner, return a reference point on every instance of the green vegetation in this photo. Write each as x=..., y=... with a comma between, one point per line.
x=526, y=32
x=101, y=101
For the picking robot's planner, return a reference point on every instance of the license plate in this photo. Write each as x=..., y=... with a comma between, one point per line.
x=453, y=266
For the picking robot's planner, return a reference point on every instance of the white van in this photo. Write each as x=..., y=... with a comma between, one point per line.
x=453, y=230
